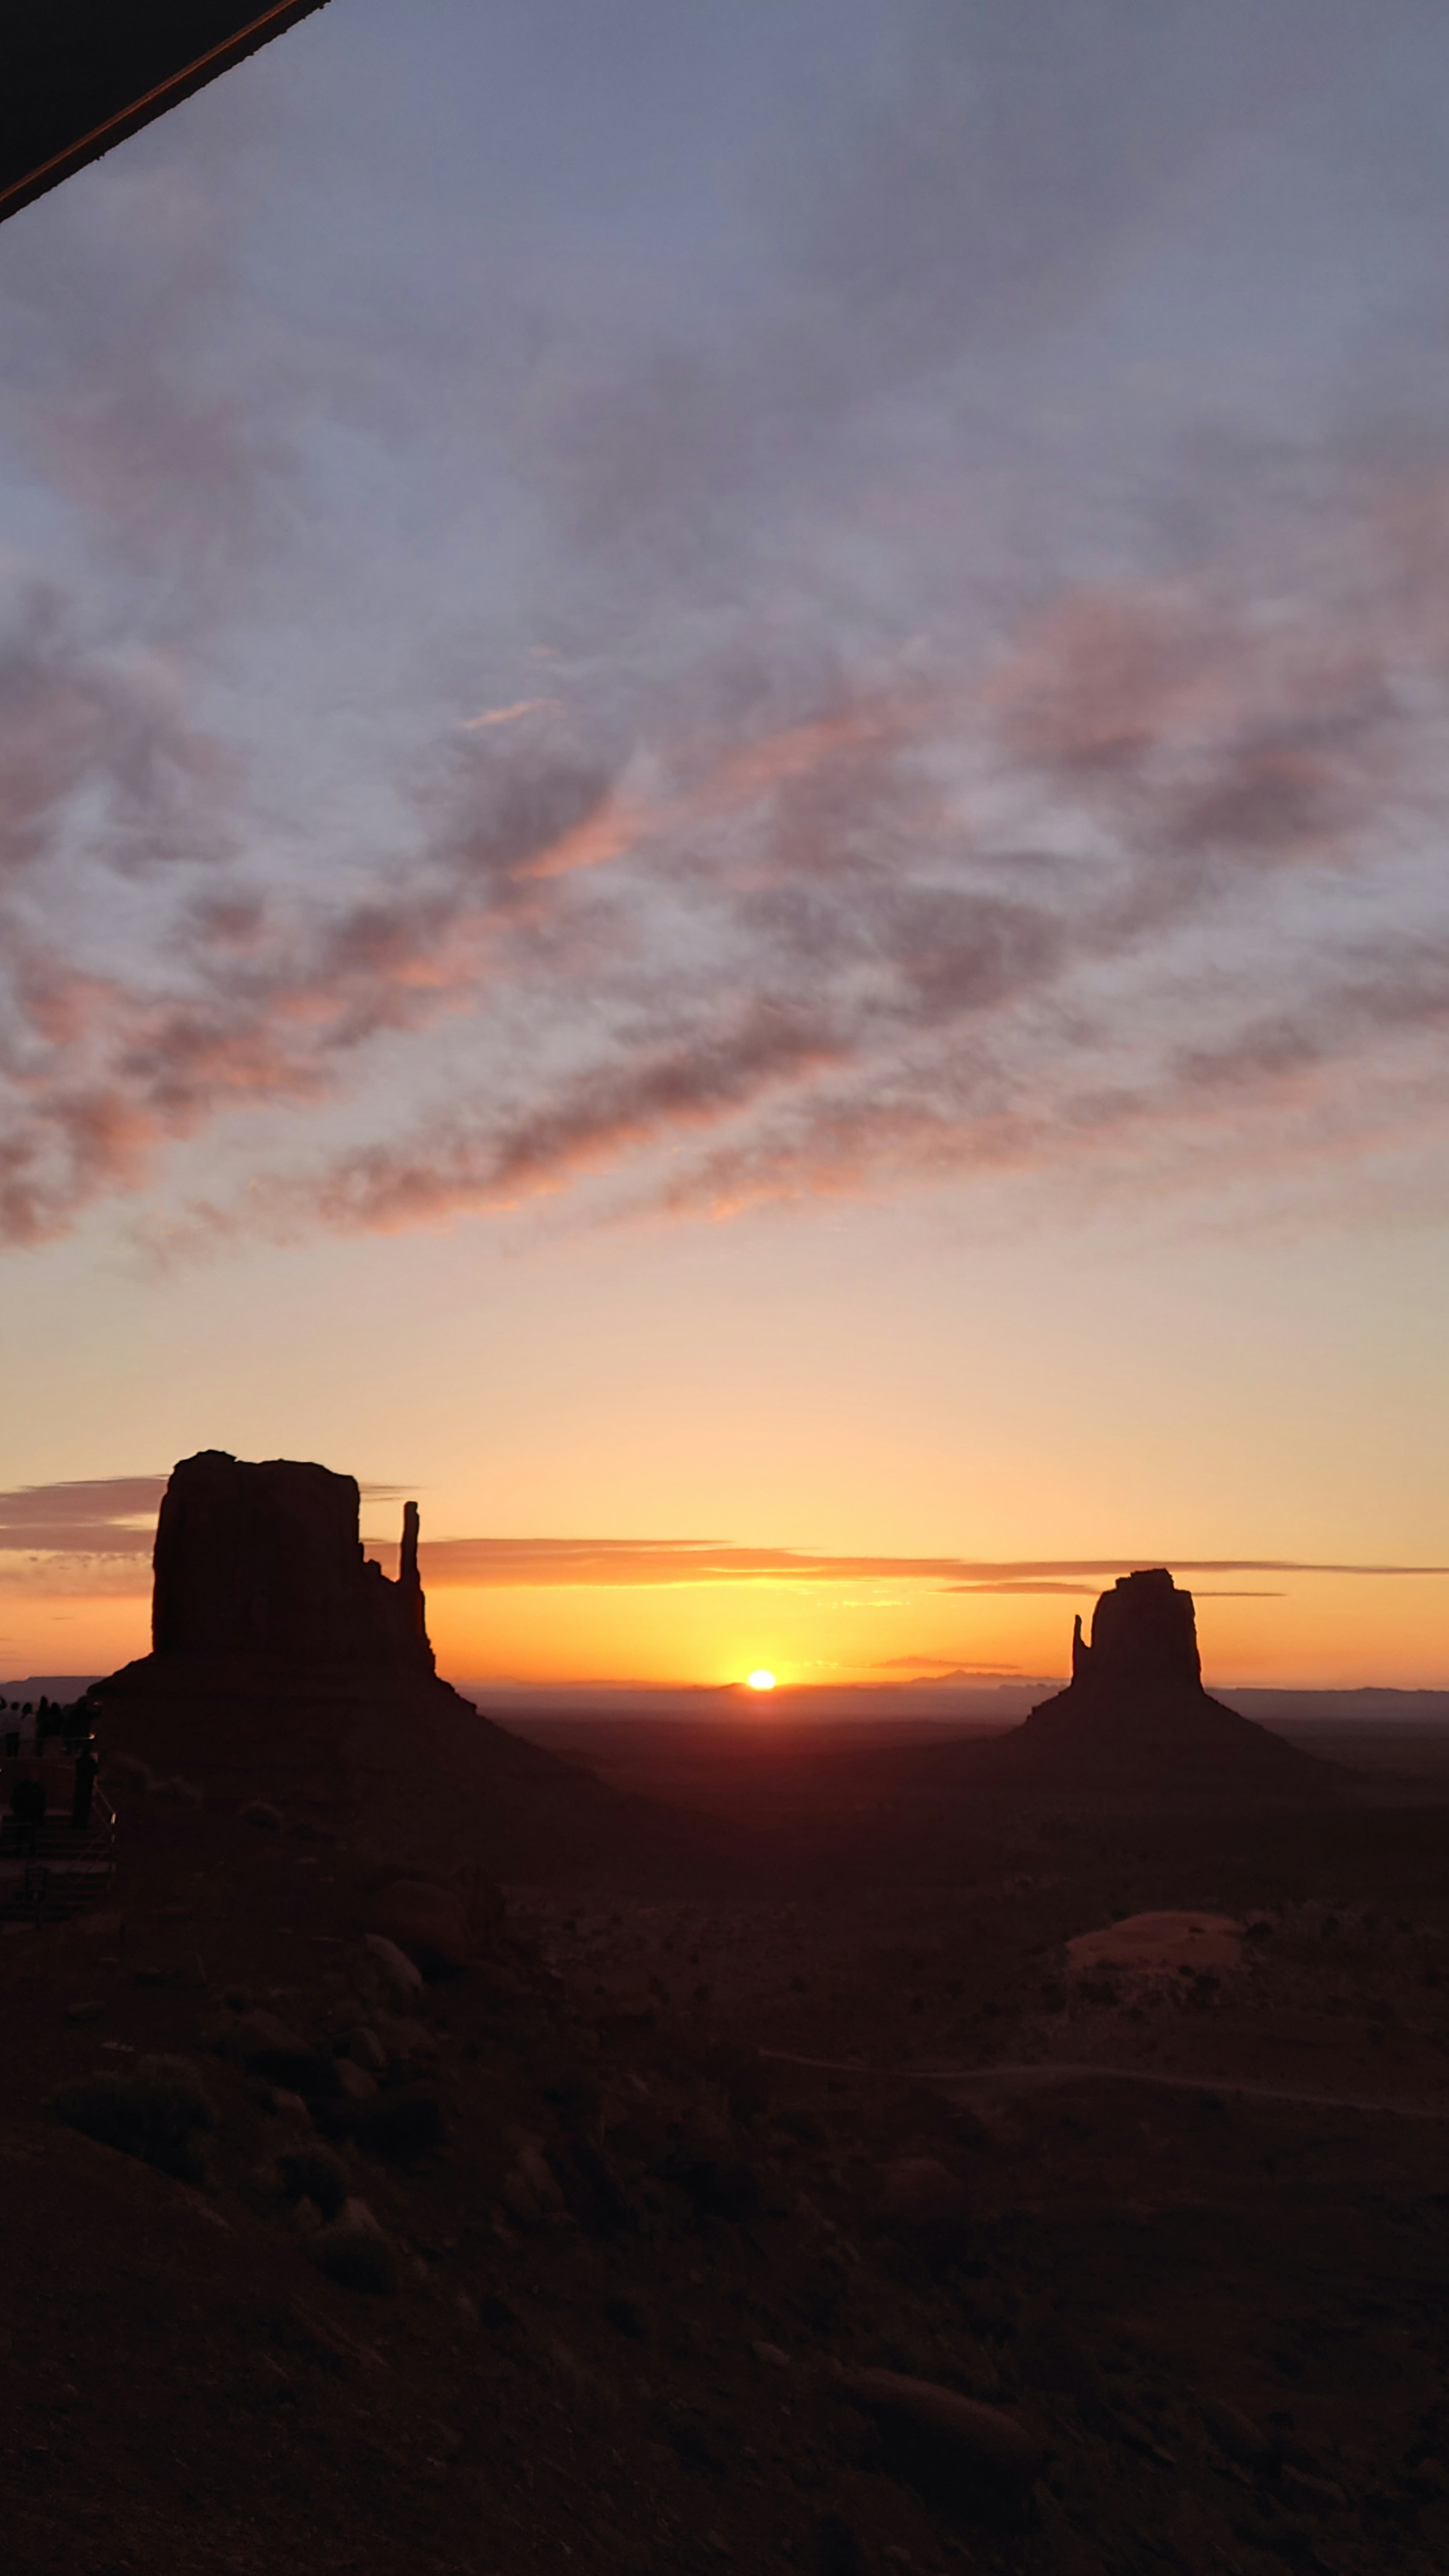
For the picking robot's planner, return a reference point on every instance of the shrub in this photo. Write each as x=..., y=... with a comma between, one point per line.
x=181, y=1793
x=718, y=2186
x=315, y=2174
x=151, y=2112
x=1098, y=1990
x=298, y=2070
x=402, y=2127
x=357, y=2257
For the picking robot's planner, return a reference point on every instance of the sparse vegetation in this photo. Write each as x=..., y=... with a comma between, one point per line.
x=179, y=1792
x=358, y=2257
x=315, y=2174
x=153, y=2111
x=128, y=1771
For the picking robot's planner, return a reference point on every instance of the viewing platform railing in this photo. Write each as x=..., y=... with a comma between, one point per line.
x=54, y=1868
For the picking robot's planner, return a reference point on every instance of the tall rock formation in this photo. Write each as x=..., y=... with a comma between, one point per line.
x=1144, y=1641
x=1136, y=1715
x=288, y=1668
x=265, y=1560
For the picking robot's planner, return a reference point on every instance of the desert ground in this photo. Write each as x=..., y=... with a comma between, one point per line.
x=663, y=2180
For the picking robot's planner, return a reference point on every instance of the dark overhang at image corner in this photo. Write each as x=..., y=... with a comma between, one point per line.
x=79, y=76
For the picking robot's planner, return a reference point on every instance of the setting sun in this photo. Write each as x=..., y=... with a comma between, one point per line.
x=762, y=1681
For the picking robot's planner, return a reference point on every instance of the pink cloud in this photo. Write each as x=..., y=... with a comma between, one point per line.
x=1078, y=917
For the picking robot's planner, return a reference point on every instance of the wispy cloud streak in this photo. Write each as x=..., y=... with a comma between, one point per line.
x=921, y=798
x=113, y=1518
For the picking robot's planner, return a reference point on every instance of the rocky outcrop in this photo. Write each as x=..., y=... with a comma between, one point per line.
x=265, y=1560
x=1144, y=1639
x=1136, y=1715
x=294, y=1683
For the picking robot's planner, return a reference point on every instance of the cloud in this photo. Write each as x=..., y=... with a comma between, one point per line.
x=934, y=797
x=1077, y=1590
x=1088, y=1591
x=93, y=1516
x=1021, y=150
x=922, y=1663
x=98, y=1516
x=104, y=730
x=531, y=1562
x=1046, y=921
x=97, y=1532
x=1149, y=893
x=511, y=715
x=188, y=469
x=949, y=1668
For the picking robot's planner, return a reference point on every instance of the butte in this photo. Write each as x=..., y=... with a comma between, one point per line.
x=1136, y=1718
x=286, y=1666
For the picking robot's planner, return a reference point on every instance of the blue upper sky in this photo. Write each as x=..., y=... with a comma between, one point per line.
x=614, y=613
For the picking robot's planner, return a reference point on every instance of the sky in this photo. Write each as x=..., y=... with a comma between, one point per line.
x=723, y=755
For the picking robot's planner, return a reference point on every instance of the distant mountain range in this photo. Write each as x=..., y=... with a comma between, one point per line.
x=1369, y=1706
x=945, y=1699
x=62, y=1686
x=980, y=1703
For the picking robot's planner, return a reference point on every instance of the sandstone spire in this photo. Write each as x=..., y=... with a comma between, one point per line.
x=1136, y=1714
x=409, y=1583
x=265, y=1560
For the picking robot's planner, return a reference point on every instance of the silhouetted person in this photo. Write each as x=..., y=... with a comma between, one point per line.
x=86, y=1767
x=27, y=1806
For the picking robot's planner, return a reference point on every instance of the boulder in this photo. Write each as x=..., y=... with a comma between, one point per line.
x=958, y=2452
x=356, y=2254
x=267, y=2047
x=716, y=2186
x=1052, y=2358
x=401, y=2127
x=1236, y=2434
x=395, y=1964
x=153, y=2111
x=919, y=2191
x=317, y=2175
x=403, y=2039
x=1160, y=1945
x=483, y=1898
x=306, y=2072
x=179, y=1792
x=838, y=2548
x=429, y=1924
x=258, y=2029
x=532, y=2192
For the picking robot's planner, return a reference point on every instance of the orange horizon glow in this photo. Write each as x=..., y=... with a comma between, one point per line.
x=915, y=1071
x=1320, y=1632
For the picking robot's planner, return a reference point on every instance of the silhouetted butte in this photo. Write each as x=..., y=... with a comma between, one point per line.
x=265, y=1559
x=1135, y=1713
x=287, y=1667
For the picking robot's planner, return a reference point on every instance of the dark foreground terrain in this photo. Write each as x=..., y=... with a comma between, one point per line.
x=644, y=2190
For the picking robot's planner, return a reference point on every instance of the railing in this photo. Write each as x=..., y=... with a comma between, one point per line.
x=53, y=1867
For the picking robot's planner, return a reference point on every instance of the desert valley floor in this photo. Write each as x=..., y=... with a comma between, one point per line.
x=677, y=2185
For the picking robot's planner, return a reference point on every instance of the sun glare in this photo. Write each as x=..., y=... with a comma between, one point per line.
x=762, y=1680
